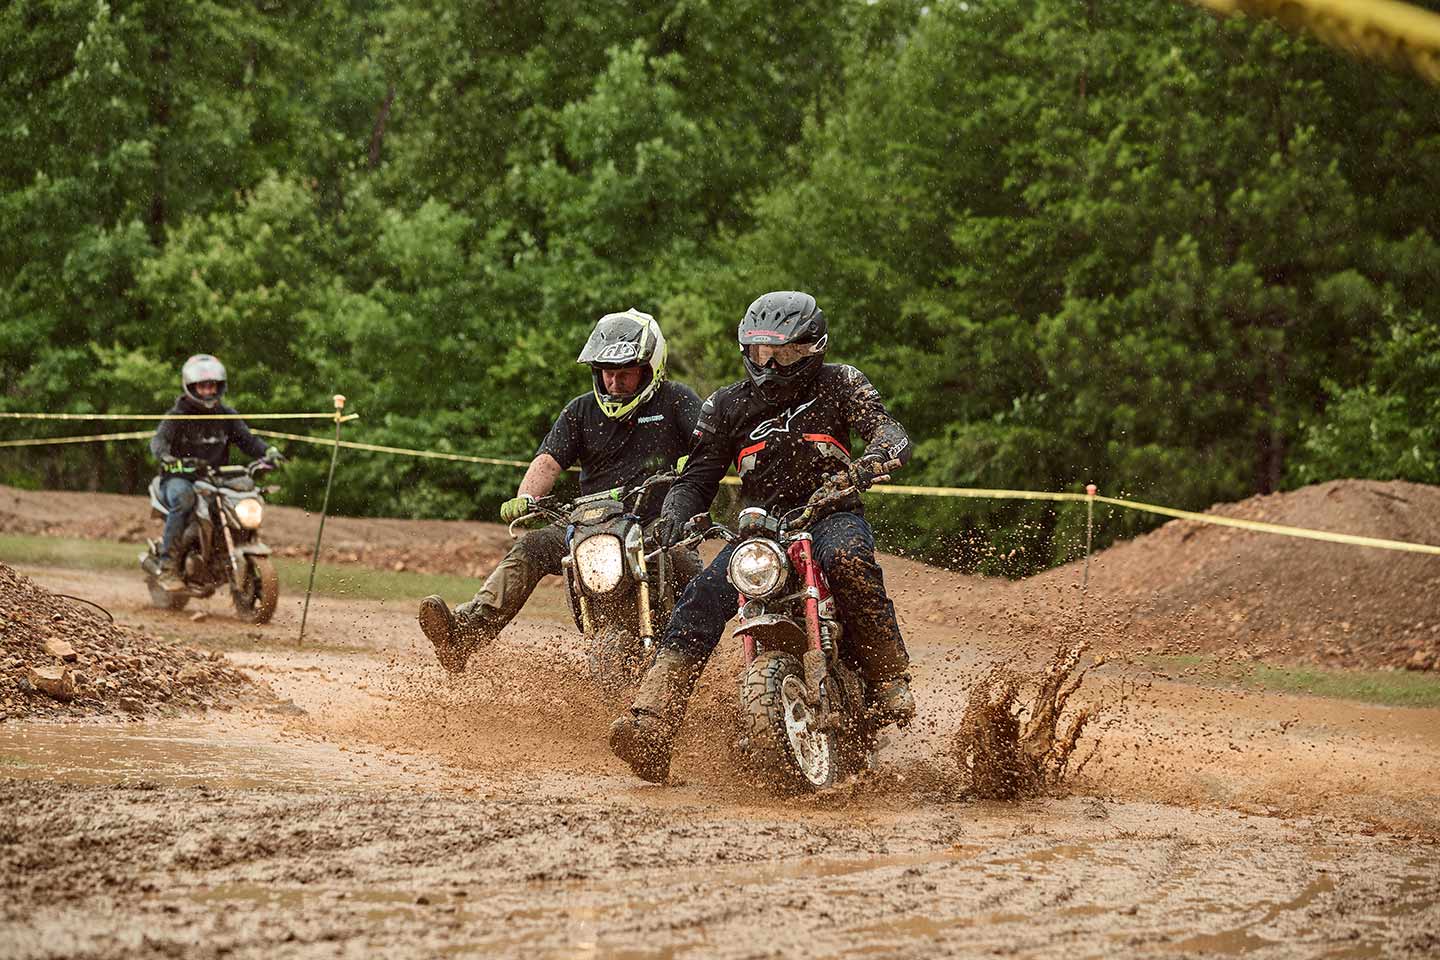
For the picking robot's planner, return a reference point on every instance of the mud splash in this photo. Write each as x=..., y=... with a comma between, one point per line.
x=1010, y=750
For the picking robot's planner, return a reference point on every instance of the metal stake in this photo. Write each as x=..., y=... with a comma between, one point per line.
x=1090, y=489
x=324, y=508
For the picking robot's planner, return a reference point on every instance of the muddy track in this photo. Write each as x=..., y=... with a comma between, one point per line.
x=384, y=808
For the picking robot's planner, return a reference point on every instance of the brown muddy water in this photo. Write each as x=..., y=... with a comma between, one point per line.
x=386, y=811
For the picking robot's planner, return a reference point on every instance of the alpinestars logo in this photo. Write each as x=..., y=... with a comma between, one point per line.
x=780, y=424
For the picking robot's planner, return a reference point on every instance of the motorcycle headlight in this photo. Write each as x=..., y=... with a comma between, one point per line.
x=757, y=568
x=600, y=563
x=249, y=512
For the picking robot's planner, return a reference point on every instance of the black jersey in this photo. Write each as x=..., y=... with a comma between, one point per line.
x=207, y=440
x=620, y=453
x=782, y=451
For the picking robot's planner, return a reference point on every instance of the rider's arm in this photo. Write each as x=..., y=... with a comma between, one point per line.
x=883, y=435
x=240, y=435
x=164, y=436
x=709, y=460
x=540, y=478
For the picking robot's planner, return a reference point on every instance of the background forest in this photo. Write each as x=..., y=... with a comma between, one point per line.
x=1128, y=243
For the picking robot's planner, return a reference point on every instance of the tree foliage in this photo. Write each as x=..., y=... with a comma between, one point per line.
x=1131, y=244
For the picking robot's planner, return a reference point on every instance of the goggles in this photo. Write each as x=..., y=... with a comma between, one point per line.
x=783, y=355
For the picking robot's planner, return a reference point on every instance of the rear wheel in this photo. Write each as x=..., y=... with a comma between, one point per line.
x=783, y=745
x=259, y=591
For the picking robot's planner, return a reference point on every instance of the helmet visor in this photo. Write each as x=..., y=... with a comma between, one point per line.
x=778, y=357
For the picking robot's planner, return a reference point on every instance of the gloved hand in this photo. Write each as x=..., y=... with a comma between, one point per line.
x=666, y=531
x=516, y=507
x=863, y=472
x=680, y=464
x=169, y=463
x=274, y=455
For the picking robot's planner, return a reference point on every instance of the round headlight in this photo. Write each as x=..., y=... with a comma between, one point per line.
x=249, y=512
x=757, y=568
x=600, y=563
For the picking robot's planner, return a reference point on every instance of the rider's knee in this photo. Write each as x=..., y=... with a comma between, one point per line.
x=183, y=499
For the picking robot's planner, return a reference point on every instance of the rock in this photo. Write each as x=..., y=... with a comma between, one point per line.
x=56, y=682
x=1421, y=660
x=61, y=649
x=192, y=673
x=130, y=705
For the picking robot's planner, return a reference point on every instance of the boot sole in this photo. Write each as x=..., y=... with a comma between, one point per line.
x=626, y=743
x=435, y=624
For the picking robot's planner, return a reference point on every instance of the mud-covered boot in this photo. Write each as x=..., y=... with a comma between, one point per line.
x=891, y=701
x=644, y=735
x=454, y=634
x=168, y=579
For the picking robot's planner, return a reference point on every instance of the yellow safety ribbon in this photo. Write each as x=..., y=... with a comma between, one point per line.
x=888, y=489
x=43, y=441
x=404, y=451
x=179, y=416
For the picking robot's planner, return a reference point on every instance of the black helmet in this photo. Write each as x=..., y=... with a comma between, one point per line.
x=199, y=369
x=783, y=339
x=629, y=339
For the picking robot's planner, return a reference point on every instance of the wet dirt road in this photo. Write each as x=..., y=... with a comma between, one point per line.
x=382, y=810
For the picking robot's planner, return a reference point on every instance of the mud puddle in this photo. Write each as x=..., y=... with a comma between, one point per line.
x=229, y=754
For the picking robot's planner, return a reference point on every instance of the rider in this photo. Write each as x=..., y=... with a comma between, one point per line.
x=178, y=441
x=632, y=424
x=786, y=427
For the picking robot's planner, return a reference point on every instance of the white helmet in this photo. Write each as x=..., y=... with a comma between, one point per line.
x=203, y=368
x=628, y=339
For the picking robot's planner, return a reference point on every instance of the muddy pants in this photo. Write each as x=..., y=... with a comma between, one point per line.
x=845, y=547
x=535, y=555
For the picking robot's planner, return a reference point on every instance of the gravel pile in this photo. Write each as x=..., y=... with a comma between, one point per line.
x=61, y=658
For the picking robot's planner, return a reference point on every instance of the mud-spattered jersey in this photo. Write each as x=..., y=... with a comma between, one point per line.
x=620, y=453
x=783, y=451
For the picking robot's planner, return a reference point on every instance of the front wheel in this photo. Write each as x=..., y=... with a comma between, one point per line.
x=783, y=743
x=259, y=591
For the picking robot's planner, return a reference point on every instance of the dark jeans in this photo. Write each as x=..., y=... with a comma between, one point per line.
x=178, y=496
x=845, y=546
x=535, y=555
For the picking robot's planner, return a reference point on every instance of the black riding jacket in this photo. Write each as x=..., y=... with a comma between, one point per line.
x=783, y=451
x=207, y=440
x=620, y=453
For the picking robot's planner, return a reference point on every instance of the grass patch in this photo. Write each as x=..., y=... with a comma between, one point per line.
x=335, y=580
x=1390, y=688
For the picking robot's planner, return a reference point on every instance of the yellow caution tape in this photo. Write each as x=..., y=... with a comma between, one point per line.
x=179, y=416
x=404, y=451
x=889, y=489
x=1210, y=518
x=1385, y=30
x=43, y=441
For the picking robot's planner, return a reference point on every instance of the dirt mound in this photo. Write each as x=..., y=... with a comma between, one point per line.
x=1193, y=586
x=65, y=659
x=425, y=546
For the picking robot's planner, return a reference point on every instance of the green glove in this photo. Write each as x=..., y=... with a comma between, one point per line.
x=516, y=507
x=274, y=455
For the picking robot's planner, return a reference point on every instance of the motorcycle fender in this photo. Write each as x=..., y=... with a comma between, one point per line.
x=254, y=548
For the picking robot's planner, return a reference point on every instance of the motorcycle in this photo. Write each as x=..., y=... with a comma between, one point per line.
x=802, y=703
x=221, y=545
x=620, y=596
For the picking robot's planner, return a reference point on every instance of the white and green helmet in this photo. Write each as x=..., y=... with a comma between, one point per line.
x=629, y=339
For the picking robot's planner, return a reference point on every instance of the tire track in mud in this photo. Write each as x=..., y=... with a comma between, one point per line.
x=485, y=817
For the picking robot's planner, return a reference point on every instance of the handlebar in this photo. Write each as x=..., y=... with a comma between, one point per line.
x=552, y=509
x=833, y=489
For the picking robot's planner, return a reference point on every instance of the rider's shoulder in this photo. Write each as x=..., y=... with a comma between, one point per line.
x=580, y=405
x=677, y=390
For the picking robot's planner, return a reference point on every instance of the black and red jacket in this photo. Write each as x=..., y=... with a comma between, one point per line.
x=783, y=450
